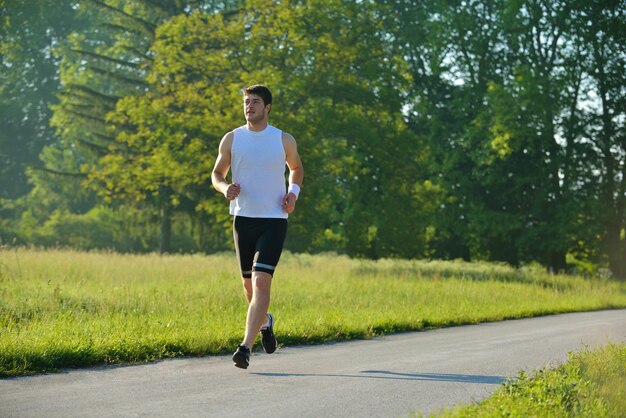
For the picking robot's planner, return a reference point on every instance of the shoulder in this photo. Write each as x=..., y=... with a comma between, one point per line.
x=227, y=140
x=229, y=136
x=288, y=139
x=289, y=145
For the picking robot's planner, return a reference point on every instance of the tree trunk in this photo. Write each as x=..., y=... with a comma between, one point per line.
x=166, y=230
x=615, y=249
x=557, y=263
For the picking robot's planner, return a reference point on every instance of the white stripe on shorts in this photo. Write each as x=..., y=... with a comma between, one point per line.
x=264, y=266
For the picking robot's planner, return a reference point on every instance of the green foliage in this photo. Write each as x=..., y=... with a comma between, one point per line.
x=124, y=228
x=71, y=309
x=465, y=129
x=329, y=93
x=29, y=31
x=499, y=97
x=589, y=384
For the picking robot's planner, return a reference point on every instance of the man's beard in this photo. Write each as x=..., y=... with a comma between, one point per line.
x=256, y=118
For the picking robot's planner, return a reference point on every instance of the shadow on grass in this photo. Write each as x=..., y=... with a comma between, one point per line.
x=389, y=375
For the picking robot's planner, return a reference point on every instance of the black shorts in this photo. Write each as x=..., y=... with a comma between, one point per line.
x=259, y=243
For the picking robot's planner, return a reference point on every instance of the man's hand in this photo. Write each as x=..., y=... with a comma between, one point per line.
x=232, y=191
x=289, y=202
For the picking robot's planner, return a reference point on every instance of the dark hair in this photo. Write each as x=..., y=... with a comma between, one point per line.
x=261, y=91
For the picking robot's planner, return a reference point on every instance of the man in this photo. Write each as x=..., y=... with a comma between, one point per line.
x=260, y=203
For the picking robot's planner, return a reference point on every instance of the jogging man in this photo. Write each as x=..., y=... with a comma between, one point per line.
x=260, y=203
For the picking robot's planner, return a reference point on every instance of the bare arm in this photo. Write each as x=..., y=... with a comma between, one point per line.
x=222, y=165
x=296, y=171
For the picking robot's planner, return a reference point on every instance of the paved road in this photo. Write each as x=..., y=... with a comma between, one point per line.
x=384, y=377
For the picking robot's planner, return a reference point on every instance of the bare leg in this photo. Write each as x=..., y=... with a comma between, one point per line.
x=259, y=304
x=247, y=288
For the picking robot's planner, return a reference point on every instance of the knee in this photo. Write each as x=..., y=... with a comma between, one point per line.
x=261, y=281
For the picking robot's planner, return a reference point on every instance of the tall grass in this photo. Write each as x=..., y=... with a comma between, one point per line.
x=62, y=308
x=590, y=384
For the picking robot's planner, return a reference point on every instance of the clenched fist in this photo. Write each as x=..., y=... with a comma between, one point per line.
x=232, y=191
x=289, y=202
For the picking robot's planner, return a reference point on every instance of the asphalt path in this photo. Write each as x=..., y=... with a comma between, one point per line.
x=382, y=377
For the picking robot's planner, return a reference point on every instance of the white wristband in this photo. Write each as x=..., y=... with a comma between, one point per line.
x=294, y=188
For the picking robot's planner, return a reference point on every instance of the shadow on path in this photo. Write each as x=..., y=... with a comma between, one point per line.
x=389, y=375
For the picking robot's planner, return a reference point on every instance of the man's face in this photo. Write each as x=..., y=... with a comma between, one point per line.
x=254, y=109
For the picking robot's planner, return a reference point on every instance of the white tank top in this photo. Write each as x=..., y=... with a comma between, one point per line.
x=258, y=165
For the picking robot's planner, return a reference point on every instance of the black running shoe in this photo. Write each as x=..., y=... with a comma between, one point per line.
x=242, y=357
x=268, y=339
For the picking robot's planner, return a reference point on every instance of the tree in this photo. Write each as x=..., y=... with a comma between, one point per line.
x=339, y=103
x=101, y=67
x=454, y=51
x=599, y=29
x=526, y=116
x=29, y=79
x=498, y=92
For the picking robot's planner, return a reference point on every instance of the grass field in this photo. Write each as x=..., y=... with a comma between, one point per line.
x=61, y=308
x=590, y=384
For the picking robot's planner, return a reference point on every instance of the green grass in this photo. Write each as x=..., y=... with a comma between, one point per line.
x=62, y=308
x=590, y=384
